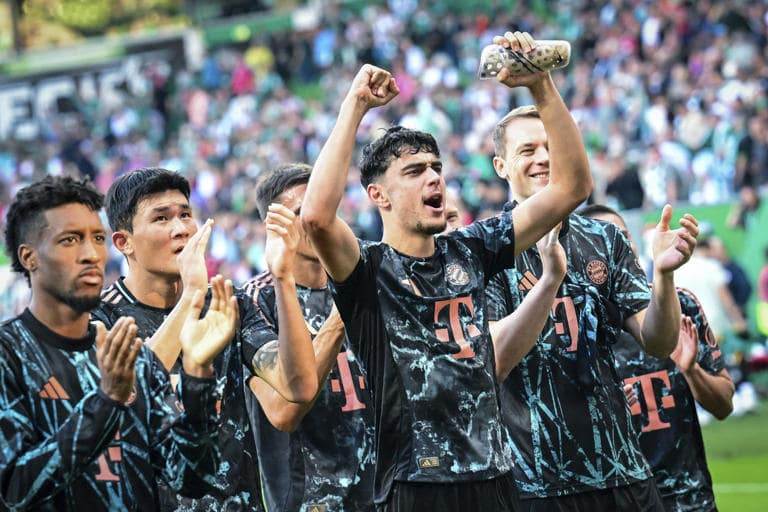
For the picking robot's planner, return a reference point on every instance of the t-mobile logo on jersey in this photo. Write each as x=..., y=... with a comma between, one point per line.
x=115, y=455
x=648, y=397
x=346, y=383
x=455, y=327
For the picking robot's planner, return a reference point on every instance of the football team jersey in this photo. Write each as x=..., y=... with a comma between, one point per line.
x=237, y=484
x=568, y=418
x=327, y=463
x=665, y=414
x=67, y=446
x=420, y=329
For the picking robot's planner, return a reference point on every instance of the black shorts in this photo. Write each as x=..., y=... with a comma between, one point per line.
x=495, y=495
x=637, y=497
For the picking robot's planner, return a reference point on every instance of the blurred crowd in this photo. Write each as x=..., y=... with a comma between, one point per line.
x=670, y=97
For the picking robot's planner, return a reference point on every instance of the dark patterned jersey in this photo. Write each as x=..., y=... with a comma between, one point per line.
x=65, y=445
x=237, y=484
x=327, y=462
x=568, y=418
x=420, y=329
x=665, y=414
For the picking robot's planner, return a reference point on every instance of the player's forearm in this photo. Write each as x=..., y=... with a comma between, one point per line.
x=166, y=342
x=661, y=325
x=516, y=334
x=296, y=356
x=713, y=392
x=38, y=471
x=569, y=167
x=284, y=415
x=328, y=181
x=187, y=453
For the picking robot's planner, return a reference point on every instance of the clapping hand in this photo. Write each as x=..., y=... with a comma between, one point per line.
x=202, y=338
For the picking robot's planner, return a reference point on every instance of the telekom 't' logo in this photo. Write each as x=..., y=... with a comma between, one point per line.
x=454, y=325
x=648, y=397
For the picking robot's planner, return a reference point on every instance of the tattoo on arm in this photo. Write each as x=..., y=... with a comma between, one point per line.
x=265, y=358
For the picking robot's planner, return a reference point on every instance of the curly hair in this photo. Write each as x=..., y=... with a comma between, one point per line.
x=25, y=220
x=396, y=141
x=128, y=190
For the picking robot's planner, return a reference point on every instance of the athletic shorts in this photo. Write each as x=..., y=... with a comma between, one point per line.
x=637, y=497
x=495, y=495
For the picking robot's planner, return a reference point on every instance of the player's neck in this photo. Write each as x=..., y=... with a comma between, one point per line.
x=153, y=290
x=309, y=272
x=59, y=317
x=417, y=245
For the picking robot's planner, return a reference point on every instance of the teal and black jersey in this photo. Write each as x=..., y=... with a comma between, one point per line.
x=568, y=418
x=327, y=462
x=66, y=445
x=420, y=329
x=665, y=414
x=236, y=486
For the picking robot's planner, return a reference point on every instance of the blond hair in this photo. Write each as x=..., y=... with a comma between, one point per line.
x=500, y=130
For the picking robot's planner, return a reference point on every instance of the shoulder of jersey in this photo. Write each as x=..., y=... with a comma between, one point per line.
x=263, y=280
x=112, y=295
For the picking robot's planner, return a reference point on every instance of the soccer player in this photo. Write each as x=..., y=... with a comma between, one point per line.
x=666, y=391
x=153, y=226
x=413, y=305
x=87, y=417
x=323, y=458
x=570, y=427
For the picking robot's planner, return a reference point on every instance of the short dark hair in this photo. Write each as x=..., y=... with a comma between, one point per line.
x=395, y=142
x=128, y=190
x=277, y=181
x=592, y=210
x=25, y=221
x=500, y=130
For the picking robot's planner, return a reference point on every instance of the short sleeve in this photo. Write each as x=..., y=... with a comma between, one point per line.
x=493, y=240
x=498, y=297
x=630, y=291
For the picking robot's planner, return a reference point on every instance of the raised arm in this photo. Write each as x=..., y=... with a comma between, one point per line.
x=657, y=327
x=570, y=181
x=332, y=238
x=287, y=416
x=165, y=342
x=516, y=334
x=288, y=363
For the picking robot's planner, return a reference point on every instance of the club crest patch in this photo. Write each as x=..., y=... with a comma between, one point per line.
x=597, y=271
x=456, y=275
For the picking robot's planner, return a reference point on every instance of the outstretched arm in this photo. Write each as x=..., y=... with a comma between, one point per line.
x=332, y=238
x=658, y=326
x=570, y=181
x=516, y=334
x=285, y=415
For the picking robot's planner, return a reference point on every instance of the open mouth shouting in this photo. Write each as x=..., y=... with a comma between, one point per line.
x=435, y=202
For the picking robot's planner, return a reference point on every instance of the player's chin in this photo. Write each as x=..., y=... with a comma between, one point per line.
x=433, y=228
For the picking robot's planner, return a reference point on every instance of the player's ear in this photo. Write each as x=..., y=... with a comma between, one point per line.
x=500, y=166
x=123, y=242
x=378, y=195
x=27, y=257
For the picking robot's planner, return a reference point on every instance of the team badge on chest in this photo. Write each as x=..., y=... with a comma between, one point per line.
x=456, y=275
x=597, y=271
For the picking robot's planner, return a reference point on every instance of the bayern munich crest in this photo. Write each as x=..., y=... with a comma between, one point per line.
x=597, y=271
x=456, y=275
